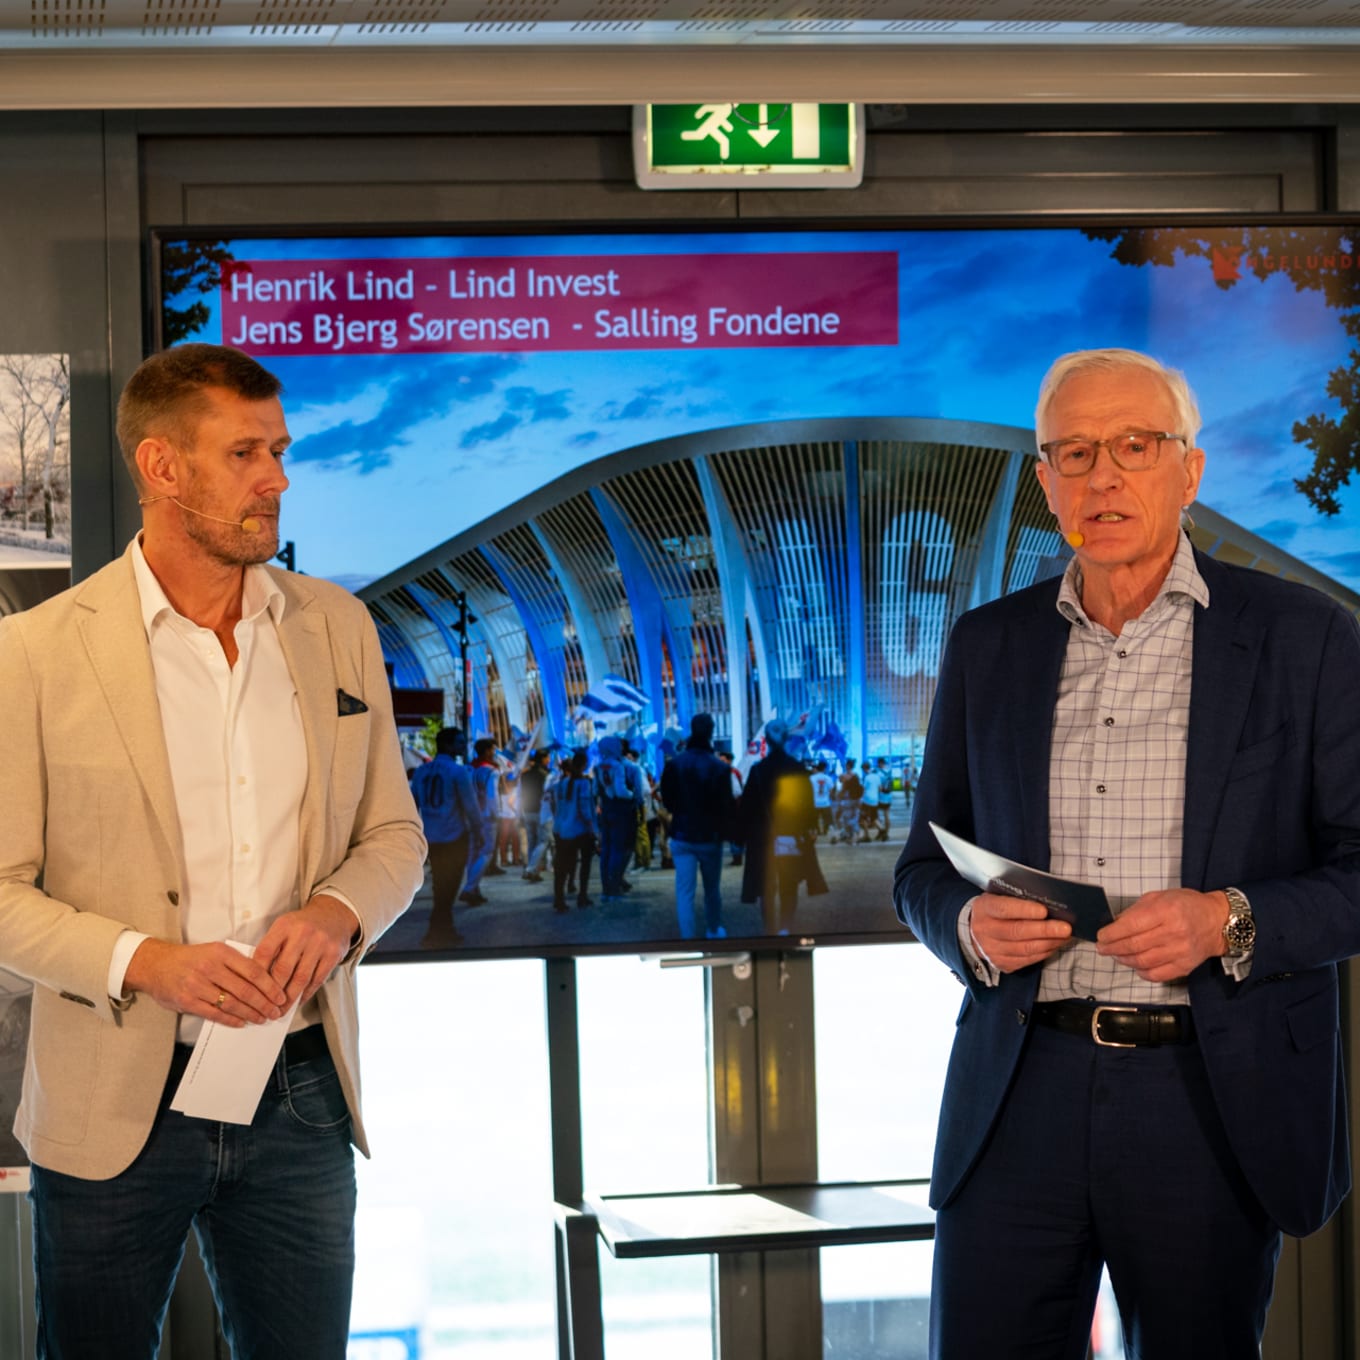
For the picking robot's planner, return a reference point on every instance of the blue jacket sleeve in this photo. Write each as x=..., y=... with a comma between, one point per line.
x=927, y=892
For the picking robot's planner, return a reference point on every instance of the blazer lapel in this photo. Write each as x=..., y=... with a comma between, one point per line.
x=114, y=638
x=1037, y=643
x=1226, y=652
x=305, y=640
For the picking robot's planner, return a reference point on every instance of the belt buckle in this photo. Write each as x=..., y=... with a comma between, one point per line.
x=1095, y=1025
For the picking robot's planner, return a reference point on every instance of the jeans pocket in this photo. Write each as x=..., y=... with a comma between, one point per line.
x=314, y=1097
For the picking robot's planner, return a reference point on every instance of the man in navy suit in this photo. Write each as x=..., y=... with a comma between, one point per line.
x=1166, y=1099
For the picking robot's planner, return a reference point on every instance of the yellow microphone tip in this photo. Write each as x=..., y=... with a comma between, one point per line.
x=1076, y=538
x=250, y=524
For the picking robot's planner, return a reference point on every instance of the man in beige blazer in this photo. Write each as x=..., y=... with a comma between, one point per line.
x=196, y=748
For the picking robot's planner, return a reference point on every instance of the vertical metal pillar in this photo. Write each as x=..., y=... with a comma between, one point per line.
x=580, y=1320
x=856, y=621
x=764, y=1131
x=734, y=576
x=989, y=575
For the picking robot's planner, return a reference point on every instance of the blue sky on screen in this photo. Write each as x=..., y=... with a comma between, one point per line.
x=395, y=453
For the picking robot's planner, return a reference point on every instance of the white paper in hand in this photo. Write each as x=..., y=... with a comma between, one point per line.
x=1083, y=906
x=229, y=1067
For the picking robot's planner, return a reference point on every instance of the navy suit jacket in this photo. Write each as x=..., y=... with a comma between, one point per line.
x=1272, y=806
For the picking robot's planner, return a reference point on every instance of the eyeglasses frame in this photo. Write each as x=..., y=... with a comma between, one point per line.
x=1108, y=444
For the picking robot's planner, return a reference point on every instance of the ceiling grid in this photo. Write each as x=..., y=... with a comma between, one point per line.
x=142, y=54
x=105, y=24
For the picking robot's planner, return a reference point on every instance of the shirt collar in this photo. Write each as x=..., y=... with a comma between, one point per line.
x=1182, y=582
x=259, y=592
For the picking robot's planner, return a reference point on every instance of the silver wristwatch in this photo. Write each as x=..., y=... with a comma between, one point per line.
x=1239, y=934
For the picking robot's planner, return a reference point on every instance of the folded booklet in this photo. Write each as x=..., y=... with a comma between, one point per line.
x=1083, y=906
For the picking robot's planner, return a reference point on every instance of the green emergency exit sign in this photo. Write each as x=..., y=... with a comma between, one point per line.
x=704, y=146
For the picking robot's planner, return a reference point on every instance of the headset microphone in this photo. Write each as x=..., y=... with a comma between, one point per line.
x=1076, y=538
x=250, y=523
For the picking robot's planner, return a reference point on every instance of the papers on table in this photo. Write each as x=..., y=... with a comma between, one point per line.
x=1083, y=906
x=229, y=1067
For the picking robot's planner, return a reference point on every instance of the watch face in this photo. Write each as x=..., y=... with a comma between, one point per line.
x=1240, y=933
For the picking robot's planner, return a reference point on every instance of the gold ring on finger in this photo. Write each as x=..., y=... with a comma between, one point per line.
x=221, y=998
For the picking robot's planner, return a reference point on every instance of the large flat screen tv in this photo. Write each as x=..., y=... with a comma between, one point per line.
x=754, y=472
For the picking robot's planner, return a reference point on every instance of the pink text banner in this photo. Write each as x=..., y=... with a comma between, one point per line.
x=277, y=308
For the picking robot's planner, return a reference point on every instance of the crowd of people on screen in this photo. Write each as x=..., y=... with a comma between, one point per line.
x=550, y=813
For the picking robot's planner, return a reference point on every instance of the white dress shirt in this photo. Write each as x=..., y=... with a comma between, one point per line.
x=238, y=761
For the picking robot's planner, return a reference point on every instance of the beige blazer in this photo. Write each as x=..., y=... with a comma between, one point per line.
x=90, y=844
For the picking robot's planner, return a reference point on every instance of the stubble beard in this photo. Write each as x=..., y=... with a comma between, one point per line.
x=232, y=546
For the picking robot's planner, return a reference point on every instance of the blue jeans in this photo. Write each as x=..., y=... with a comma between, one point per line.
x=482, y=855
x=693, y=858
x=272, y=1204
x=535, y=842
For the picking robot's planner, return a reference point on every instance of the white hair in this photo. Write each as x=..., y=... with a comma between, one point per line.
x=1111, y=361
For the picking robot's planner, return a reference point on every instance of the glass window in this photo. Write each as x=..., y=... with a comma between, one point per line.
x=644, y=1074
x=455, y=1238
x=1107, y=1337
x=885, y=1024
x=645, y=1117
x=876, y=1301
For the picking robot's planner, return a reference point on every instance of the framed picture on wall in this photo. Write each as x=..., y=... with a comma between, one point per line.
x=35, y=478
x=35, y=564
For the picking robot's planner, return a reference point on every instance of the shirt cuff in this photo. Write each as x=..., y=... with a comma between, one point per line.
x=983, y=968
x=124, y=947
x=327, y=890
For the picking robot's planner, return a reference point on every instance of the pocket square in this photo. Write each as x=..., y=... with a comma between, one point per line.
x=349, y=705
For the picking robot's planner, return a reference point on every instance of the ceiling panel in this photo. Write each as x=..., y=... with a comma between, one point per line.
x=123, y=24
x=135, y=54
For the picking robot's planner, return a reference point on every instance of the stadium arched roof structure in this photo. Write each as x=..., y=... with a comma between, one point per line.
x=808, y=568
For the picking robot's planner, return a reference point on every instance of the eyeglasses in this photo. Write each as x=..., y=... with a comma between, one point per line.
x=1134, y=452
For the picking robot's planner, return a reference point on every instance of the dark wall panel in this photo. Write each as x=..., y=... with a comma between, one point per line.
x=54, y=289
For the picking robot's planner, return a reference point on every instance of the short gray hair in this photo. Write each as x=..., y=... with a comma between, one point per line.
x=1111, y=361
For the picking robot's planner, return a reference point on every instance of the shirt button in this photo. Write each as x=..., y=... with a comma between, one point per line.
x=240, y=779
x=1109, y=722
x=1100, y=859
x=1123, y=652
x=1100, y=788
x=245, y=847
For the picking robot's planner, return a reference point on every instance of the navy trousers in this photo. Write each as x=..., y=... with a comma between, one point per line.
x=1103, y=1156
x=618, y=835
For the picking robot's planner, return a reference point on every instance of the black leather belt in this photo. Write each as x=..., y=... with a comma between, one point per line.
x=302, y=1045
x=1113, y=1026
